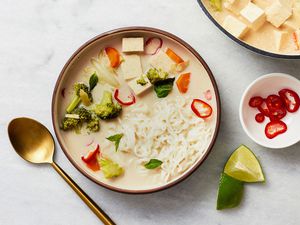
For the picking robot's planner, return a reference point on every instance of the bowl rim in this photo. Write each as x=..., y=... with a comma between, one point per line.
x=269, y=75
x=191, y=50
x=242, y=43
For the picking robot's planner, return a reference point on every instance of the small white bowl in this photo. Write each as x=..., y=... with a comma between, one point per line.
x=264, y=86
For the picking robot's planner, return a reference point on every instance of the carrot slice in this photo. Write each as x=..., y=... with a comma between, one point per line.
x=296, y=40
x=114, y=56
x=183, y=82
x=174, y=56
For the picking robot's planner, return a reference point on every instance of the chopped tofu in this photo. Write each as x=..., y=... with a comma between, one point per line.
x=281, y=38
x=254, y=15
x=133, y=44
x=235, y=26
x=162, y=61
x=294, y=21
x=131, y=67
x=137, y=88
x=277, y=14
x=234, y=6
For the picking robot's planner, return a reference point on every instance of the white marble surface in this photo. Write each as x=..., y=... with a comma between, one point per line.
x=36, y=39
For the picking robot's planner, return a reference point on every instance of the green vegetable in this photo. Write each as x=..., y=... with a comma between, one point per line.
x=70, y=123
x=93, y=81
x=154, y=75
x=116, y=139
x=93, y=125
x=84, y=114
x=107, y=109
x=153, y=163
x=164, y=87
x=110, y=169
x=216, y=4
x=82, y=87
x=141, y=81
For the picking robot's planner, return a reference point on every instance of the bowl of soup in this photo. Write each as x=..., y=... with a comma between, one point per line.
x=268, y=27
x=136, y=110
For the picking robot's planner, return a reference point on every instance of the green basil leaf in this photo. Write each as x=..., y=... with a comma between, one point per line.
x=153, y=163
x=116, y=139
x=164, y=87
x=93, y=81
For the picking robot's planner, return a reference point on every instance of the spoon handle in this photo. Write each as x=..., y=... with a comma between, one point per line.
x=90, y=203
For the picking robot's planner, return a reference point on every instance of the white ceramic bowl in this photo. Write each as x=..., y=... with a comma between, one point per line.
x=264, y=86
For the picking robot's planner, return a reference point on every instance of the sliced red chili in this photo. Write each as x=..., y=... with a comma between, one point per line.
x=260, y=117
x=201, y=108
x=256, y=101
x=91, y=159
x=263, y=108
x=274, y=128
x=131, y=97
x=277, y=114
x=291, y=99
x=274, y=102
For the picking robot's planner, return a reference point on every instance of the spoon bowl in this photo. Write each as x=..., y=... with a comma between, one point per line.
x=31, y=140
x=34, y=143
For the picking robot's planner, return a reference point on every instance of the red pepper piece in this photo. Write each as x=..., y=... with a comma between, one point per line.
x=201, y=108
x=91, y=159
x=274, y=128
x=277, y=114
x=263, y=108
x=274, y=102
x=291, y=100
x=256, y=101
x=131, y=97
x=260, y=117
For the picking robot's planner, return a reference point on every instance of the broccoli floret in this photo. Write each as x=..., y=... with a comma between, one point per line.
x=93, y=125
x=84, y=114
x=154, y=75
x=70, y=123
x=78, y=87
x=107, y=109
x=76, y=119
x=142, y=81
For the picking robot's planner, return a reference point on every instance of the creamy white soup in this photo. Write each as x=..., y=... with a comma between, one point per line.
x=167, y=121
x=270, y=25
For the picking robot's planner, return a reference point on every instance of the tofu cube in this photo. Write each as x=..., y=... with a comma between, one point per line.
x=162, y=61
x=234, y=6
x=281, y=38
x=131, y=67
x=235, y=26
x=138, y=88
x=254, y=15
x=133, y=44
x=293, y=22
x=277, y=14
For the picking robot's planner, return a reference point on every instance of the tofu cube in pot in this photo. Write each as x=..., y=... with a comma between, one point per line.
x=281, y=38
x=234, y=26
x=277, y=14
x=234, y=6
x=254, y=15
x=133, y=44
x=138, y=88
x=162, y=61
x=131, y=67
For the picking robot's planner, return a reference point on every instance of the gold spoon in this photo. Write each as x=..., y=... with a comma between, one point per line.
x=34, y=143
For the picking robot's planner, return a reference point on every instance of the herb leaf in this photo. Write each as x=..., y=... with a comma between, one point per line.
x=116, y=139
x=93, y=81
x=153, y=163
x=164, y=87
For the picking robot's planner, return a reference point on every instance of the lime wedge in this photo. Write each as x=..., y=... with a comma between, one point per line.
x=244, y=166
x=230, y=192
